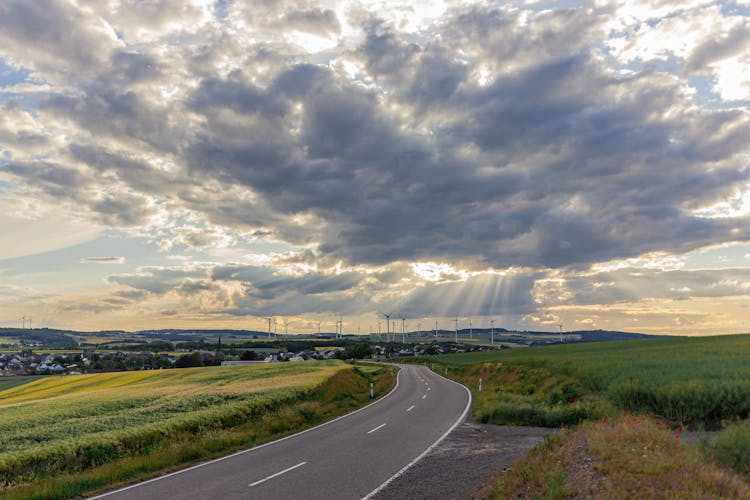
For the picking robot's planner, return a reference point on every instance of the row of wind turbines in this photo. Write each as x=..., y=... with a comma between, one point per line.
x=390, y=318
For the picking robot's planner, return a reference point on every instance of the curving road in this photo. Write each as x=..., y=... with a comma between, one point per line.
x=353, y=456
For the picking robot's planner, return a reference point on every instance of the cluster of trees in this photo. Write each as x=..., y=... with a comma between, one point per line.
x=358, y=351
x=198, y=359
x=43, y=336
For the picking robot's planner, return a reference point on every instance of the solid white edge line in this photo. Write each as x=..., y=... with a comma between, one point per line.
x=241, y=452
x=376, y=428
x=256, y=483
x=432, y=446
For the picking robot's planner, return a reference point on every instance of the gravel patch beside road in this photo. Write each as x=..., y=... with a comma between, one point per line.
x=472, y=457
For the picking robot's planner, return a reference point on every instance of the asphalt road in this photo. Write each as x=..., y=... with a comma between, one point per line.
x=353, y=456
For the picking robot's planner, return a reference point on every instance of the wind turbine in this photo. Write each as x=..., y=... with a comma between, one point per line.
x=403, y=329
x=387, y=325
x=379, y=334
x=270, y=318
x=561, y=332
x=23, y=322
x=492, y=324
x=470, y=328
x=286, y=326
x=455, y=339
x=436, y=328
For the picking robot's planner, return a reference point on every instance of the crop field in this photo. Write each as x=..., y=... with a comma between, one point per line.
x=63, y=424
x=8, y=382
x=633, y=399
x=698, y=381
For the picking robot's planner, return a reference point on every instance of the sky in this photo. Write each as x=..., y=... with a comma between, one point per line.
x=210, y=164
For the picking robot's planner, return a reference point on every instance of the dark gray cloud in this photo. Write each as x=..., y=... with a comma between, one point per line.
x=158, y=280
x=103, y=260
x=53, y=36
x=496, y=138
x=628, y=285
x=321, y=22
x=715, y=49
x=569, y=165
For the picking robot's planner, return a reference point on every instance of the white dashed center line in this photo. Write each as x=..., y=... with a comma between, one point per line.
x=410, y=408
x=376, y=428
x=279, y=473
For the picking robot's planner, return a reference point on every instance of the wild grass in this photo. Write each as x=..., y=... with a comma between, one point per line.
x=732, y=448
x=75, y=426
x=632, y=457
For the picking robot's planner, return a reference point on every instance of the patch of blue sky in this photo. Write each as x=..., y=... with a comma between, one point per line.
x=734, y=9
x=11, y=76
x=732, y=256
x=221, y=7
x=558, y=4
x=66, y=265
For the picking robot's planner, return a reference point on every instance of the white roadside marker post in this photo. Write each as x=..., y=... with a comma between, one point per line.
x=372, y=394
x=480, y=384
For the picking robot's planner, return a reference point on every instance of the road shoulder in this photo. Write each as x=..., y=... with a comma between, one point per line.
x=468, y=460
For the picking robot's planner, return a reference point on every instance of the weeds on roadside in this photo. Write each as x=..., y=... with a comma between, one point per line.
x=633, y=456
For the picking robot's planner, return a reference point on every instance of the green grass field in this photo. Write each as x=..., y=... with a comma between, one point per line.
x=57, y=425
x=614, y=389
x=698, y=381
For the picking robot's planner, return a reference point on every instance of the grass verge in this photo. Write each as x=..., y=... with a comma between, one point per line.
x=346, y=390
x=632, y=457
x=526, y=395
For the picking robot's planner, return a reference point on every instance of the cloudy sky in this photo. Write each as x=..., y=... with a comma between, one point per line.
x=207, y=164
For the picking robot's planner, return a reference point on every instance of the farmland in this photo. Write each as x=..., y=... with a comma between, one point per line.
x=694, y=381
x=58, y=426
x=634, y=400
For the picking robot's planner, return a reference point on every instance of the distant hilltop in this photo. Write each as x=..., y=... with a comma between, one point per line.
x=57, y=338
